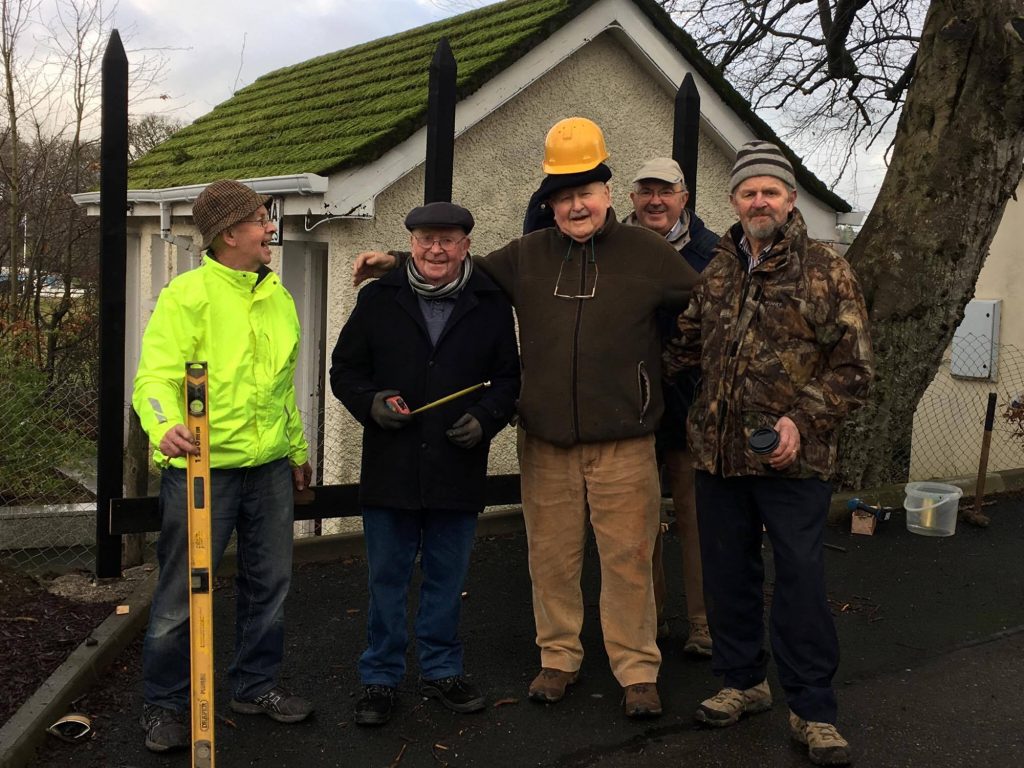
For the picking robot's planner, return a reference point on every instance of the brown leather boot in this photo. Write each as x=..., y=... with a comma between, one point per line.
x=641, y=700
x=549, y=686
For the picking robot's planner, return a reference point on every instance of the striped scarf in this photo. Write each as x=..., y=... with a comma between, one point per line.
x=434, y=292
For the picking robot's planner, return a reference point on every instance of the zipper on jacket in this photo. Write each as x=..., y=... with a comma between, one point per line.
x=574, y=360
x=734, y=349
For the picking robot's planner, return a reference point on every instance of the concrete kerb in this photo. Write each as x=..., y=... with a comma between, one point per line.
x=27, y=728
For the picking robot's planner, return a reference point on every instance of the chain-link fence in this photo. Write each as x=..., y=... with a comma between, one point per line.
x=47, y=472
x=950, y=418
x=48, y=456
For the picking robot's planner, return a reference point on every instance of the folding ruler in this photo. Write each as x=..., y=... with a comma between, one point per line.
x=199, y=560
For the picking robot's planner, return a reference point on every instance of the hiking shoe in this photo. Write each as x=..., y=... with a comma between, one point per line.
x=278, y=704
x=641, y=700
x=454, y=692
x=165, y=729
x=730, y=704
x=699, y=641
x=549, y=686
x=374, y=708
x=824, y=744
x=663, y=631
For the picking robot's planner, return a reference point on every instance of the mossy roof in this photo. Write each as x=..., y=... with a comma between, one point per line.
x=347, y=108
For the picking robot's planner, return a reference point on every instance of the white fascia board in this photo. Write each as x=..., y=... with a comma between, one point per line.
x=148, y=202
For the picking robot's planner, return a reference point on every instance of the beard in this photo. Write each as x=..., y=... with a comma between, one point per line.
x=762, y=229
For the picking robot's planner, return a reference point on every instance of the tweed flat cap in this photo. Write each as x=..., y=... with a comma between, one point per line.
x=223, y=204
x=661, y=168
x=440, y=214
x=761, y=158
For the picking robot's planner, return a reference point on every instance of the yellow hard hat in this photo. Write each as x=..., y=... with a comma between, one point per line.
x=574, y=145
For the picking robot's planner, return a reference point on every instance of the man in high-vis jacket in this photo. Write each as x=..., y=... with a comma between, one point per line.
x=234, y=313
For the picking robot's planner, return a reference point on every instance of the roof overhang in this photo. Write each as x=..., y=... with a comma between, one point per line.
x=140, y=200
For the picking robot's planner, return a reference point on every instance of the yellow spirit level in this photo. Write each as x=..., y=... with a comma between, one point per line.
x=200, y=564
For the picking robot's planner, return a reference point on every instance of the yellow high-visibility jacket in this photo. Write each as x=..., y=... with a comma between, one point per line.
x=247, y=331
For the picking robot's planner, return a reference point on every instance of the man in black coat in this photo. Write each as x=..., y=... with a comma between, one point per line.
x=419, y=334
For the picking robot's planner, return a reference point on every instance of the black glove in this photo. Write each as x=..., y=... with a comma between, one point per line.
x=381, y=413
x=466, y=432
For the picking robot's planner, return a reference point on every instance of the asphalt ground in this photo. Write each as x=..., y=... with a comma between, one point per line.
x=931, y=632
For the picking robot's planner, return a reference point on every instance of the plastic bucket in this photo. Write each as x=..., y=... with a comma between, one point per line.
x=931, y=508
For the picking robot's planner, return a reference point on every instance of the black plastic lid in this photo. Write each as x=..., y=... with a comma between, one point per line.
x=764, y=440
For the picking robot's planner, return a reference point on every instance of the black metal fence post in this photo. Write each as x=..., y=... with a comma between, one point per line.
x=112, y=269
x=685, y=132
x=437, y=184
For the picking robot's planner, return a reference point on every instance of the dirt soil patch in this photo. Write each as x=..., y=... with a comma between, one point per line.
x=42, y=622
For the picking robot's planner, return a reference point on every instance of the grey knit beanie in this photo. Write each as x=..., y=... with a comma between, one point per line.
x=760, y=158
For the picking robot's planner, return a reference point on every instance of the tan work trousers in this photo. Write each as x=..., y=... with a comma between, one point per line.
x=680, y=468
x=618, y=482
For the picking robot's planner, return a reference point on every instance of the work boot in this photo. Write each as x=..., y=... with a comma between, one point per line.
x=730, y=704
x=375, y=705
x=278, y=704
x=699, y=641
x=165, y=729
x=549, y=686
x=824, y=744
x=641, y=700
x=454, y=692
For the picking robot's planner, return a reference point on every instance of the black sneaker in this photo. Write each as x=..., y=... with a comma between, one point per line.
x=454, y=692
x=165, y=729
x=278, y=703
x=374, y=708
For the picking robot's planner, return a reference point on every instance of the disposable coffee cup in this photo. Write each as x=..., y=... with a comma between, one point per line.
x=764, y=440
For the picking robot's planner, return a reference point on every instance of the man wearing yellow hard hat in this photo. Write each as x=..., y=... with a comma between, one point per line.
x=586, y=292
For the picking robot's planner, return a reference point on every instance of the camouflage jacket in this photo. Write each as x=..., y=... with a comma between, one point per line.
x=789, y=339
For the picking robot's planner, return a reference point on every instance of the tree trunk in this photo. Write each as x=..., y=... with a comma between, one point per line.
x=957, y=157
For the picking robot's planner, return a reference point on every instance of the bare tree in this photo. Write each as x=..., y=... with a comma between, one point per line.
x=957, y=156
x=835, y=71
x=146, y=131
x=51, y=68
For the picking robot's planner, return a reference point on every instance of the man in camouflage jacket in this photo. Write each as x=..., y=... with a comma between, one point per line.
x=779, y=327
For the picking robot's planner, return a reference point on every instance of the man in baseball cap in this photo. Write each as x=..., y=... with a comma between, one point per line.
x=258, y=454
x=659, y=198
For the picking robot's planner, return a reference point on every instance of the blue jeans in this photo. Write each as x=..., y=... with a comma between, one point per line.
x=444, y=540
x=257, y=502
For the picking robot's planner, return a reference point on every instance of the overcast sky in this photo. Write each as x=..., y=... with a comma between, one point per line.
x=214, y=47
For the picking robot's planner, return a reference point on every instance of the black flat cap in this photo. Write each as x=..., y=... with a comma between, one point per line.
x=554, y=182
x=440, y=215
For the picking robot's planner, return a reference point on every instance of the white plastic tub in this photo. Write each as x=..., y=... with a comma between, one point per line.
x=932, y=508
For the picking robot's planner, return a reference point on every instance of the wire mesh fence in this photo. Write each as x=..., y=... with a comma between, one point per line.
x=48, y=457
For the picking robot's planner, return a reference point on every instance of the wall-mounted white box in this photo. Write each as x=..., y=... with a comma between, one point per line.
x=975, y=353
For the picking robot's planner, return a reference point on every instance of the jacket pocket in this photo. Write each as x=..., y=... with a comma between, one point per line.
x=643, y=383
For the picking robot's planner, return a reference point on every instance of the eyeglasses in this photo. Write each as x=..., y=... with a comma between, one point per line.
x=262, y=221
x=647, y=194
x=446, y=243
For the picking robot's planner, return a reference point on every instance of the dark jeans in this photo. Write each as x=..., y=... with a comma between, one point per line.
x=257, y=502
x=444, y=540
x=803, y=637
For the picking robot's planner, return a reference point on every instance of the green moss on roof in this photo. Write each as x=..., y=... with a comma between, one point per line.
x=348, y=108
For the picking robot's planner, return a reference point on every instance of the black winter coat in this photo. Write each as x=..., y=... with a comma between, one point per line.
x=385, y=345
